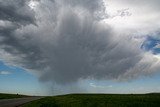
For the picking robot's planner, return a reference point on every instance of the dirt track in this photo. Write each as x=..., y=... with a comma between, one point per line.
x=16, y=101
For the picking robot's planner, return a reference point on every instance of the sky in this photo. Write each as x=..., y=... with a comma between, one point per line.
x=50, y=47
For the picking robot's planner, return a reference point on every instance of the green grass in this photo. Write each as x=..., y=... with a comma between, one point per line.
x=98, y=100
x=10, y=96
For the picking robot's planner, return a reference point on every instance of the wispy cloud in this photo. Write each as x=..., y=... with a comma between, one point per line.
x=100, y=86
x=5, y=73
x=157, y=46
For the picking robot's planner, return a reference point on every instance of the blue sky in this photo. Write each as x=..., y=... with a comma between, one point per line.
x=72, y=46
x=19, y=81
x=22, y=82
x=150, y=45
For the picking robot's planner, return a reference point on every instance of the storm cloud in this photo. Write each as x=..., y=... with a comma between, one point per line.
x=64, y=41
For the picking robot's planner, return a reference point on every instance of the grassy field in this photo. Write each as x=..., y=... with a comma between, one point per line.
x=10, y=96
x=98, y=100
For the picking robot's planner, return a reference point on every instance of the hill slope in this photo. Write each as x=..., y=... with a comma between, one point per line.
x=10, y=96
x=98, y=100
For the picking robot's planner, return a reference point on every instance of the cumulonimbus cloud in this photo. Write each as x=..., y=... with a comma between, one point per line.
x=66, y=41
